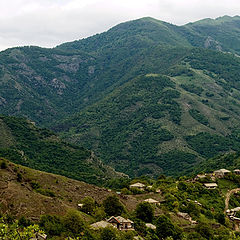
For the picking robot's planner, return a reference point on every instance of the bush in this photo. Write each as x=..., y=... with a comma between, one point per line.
x=145, y=212
x=165, y=228
x=19, y=177
x=112, y=206
x=52, y=225
x=3, y=165
x=108, y=233
x=88, y=205
x=204, y=230
x=73, y=223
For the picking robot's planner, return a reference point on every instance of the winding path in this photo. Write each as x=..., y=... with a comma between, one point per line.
x=228, y=195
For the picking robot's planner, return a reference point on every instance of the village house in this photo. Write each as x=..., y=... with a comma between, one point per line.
x=121, y=223
x=152, y=201
x=149, y=187
x=221, y=173
x=39, y=236
x=138, y=185
x=200, y=176
x=237, y=171
x=151, y=226
x=232, y=212
x=236, y=221
x=158, y=191
x=210, y=185
x=80, y=205
x=187, y=217
x=100, y=224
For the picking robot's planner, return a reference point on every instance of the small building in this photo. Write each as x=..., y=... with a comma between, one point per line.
x=121, y=223
x=80, y=205
x=158, y=191
x=187, y=217
x=101, y=224
x=149, y=187
x=210, y=185
x=232, y=212
x=152, y=201
x=221, y=173
x=199, y=177
x=149, y=225
x=236, y=221
x=39, y=236
x=237, y=171
x=138, y=185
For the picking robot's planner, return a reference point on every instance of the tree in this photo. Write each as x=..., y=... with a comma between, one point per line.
x=88, y=205
x=112, y=206
x=145, y=212
x=73, y=223
x=165, y=228
x=108, y=233
x=204, y=230
x=52, y=225
x=12, y=231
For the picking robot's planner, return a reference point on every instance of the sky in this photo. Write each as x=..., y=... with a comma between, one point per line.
x=48, y=23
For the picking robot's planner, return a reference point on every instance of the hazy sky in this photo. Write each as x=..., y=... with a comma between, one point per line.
x=47, y=23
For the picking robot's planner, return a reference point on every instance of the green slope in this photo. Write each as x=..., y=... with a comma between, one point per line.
x=46, y=84
x=149, y=129
x=41, y=149
x=156, y=123
x=222, y=33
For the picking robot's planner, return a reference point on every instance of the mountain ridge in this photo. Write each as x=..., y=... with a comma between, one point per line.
x=62, y=87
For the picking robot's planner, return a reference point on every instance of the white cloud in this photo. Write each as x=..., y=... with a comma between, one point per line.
x=51, y=22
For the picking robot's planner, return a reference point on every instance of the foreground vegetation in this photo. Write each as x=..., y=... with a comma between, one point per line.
x=205, y=207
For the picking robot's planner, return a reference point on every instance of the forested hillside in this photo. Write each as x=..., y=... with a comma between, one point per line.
x=25, y=144
x=147, y=97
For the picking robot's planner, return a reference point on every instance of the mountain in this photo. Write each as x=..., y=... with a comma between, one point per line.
x=147, y=96
x=165, y=123
x=46, y=84
x=24, y=143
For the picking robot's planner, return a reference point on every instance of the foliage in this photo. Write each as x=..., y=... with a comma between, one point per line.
x=73, y=223
x=52, y=225
x=88, y=205
x=12, y=231
x=198, y=116
x=145, y=212
x=112, y=206
x=165, y=228
x=42, y=149
x=108, y=234
x=192, y=88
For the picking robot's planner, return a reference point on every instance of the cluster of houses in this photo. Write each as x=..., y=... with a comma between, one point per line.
x=122, y=223
x=119, y=223
x=221, y=173
x=142, y=187
x=231, y=213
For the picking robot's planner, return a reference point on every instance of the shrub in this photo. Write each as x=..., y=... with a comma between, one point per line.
x=145, y=212
x=112, y=206
x=165, y=228
x=88, y=205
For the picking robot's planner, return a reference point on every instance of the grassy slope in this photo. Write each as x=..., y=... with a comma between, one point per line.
x=20, y=198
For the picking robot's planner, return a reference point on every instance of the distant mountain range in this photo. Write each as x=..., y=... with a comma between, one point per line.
x=147, y=97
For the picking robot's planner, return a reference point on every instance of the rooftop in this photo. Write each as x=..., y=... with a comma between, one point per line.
x=150, y=200
x=138, y=184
